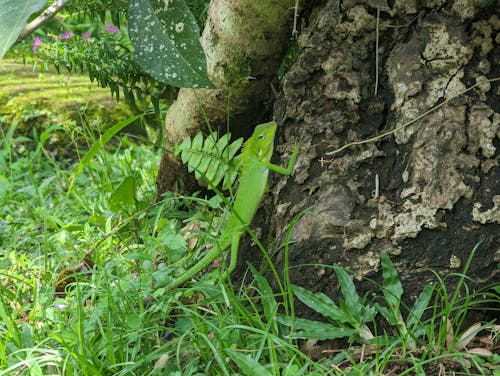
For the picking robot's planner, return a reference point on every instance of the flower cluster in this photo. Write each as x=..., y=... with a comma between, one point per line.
x=106, y=55
x=111, y=29
x=36, y=43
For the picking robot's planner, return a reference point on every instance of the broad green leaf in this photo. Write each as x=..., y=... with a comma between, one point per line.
x=98, y=146
x=269, y=302
x=122, y=199
x=165, y=37
x=420, y=306
x=384, y=311
x=352, y=299
x=310, y=329
x=393, y=290
x=320, y=303
x=4, y=187
x=384, y=341
x=247, y=365
x=133, y=321
x=13, y=17
x=12, y=328
x=45, y=136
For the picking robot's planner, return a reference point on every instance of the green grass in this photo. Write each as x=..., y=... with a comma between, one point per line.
x=117, y=320
x=36, y=101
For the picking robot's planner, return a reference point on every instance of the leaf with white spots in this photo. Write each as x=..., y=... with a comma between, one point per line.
x=165, y=38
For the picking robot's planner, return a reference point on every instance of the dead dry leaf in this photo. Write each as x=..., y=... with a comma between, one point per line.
x=468, y=336
x=480, y=351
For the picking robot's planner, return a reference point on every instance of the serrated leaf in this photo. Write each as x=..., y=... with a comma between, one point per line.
x=13, y=17
x=165, y=37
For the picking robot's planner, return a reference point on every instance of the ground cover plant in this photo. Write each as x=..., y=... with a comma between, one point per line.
x=114, y=317
x=100, y=274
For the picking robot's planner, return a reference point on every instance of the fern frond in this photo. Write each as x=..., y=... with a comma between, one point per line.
x=212, y=158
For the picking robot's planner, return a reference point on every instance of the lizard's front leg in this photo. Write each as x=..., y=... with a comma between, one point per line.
x=291, y=163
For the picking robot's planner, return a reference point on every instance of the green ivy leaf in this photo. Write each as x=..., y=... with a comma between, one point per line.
x=165, y=38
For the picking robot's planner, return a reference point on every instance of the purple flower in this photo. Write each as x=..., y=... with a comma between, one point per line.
x=66, y=35
x=112, y=29
x=36, y=43
x=86, y=35
x=60, y=307
x=166, y=336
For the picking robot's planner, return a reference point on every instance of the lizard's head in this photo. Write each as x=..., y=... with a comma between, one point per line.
x=263, y=139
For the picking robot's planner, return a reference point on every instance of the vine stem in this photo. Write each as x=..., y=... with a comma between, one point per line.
x=45, y=16
x=388, y=133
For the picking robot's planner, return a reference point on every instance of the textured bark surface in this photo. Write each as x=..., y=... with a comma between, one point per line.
x=243, y=41
x=438, y=179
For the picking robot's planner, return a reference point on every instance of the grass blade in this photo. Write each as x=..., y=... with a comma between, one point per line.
x=98, y=146
x=247, y=365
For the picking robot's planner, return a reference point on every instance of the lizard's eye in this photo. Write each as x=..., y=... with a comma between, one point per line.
x=261, y=137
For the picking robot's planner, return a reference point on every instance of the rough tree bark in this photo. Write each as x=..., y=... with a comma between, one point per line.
x=428, y=193
x=243, y=41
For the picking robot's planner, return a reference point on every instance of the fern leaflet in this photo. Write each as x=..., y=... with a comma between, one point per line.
x=212, y=158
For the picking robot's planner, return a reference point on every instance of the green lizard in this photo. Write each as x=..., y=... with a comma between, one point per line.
x=256, y=157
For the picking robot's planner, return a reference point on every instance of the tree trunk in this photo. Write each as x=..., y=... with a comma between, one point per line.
x=428, y=192
x=243, y=41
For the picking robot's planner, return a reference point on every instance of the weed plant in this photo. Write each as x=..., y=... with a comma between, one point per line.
x=116, y=319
